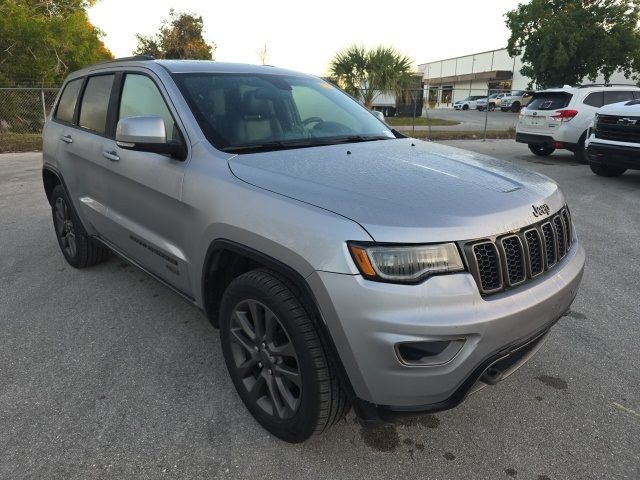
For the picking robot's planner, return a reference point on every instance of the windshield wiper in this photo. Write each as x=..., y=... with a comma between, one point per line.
x=307, y=142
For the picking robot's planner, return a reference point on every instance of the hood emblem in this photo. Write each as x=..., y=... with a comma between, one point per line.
x=541, y=210
x=627, y=121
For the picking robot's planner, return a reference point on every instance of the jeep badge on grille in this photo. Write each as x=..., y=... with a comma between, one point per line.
x=541, y=210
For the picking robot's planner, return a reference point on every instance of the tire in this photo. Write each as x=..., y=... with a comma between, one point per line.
x=580, y=153
x=492, y=107
x=79, y=250
x=285, y=378
x=504, y=109
x=606, y=171
x=515, y=107
x=465, y=107
x=541, y=151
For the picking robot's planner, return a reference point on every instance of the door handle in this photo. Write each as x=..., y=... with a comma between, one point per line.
x=66, y=139
x=113, y=156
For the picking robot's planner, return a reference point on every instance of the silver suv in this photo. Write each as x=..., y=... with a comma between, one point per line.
x=344, y=264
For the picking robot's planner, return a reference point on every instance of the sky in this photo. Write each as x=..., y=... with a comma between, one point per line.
x=304, y=35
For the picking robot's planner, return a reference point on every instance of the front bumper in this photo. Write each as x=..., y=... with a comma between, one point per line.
x=614, y=155
x=367, y=320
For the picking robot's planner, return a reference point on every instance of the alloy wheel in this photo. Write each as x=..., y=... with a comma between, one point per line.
x=64, y=228
x=265, y=359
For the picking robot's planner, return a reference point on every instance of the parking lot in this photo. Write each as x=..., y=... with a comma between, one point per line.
x=105, y=373
x=472, y=119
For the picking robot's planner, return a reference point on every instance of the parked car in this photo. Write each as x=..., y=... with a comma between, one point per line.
x=344, y=264
x=493, y=100
x=468, y=103
x=515, y=100
x=613, y=145
x=558, y=118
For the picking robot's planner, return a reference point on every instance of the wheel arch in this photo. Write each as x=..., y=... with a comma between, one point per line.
x=226, y=259
x=51, y=178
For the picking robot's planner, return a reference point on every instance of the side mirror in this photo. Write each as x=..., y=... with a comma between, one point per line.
x=378, y=115
x=147, y=134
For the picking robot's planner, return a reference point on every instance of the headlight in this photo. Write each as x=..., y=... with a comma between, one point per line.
x=405, y=264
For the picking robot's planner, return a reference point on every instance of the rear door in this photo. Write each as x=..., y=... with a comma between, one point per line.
x=536, y=118
x=81, y=141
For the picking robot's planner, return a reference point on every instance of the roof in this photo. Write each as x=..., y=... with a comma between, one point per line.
x=190, y=66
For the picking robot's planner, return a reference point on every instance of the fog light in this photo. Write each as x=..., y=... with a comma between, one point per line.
x=430, y=352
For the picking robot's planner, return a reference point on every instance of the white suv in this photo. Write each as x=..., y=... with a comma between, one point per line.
x=613, y=145
x=559, y=117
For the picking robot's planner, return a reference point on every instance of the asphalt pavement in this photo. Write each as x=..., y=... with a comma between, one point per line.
x=105, y=373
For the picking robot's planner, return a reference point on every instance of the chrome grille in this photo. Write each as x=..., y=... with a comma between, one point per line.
x=511, y=260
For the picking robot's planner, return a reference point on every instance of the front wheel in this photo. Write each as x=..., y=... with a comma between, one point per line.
x=276, y=358
x=580, y=153
x=515, y=108
x=465, y=107
x=606, y=171
x=541, y=151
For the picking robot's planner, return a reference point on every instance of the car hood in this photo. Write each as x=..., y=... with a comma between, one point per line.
x=405, y=190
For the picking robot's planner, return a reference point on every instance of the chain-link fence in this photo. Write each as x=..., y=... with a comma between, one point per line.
x=23, y=110
x=449, y=112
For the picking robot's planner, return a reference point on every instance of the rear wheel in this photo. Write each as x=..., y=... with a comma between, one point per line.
x=492, y=107
x=78, y=248
x=276, y=358
x=606, y=171
x=541, y=151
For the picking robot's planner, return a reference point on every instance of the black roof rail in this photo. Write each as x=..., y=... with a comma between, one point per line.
x=130, y=59
x=587, y=85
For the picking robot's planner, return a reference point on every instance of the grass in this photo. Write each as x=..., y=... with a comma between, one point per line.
x=461, y=134
x=404, y=121
x=20, y=142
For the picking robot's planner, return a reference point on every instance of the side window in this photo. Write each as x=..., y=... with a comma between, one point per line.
x=140, y=97
x=595, y=99
x=68, y=100
x=95, y=103
x=617, y=96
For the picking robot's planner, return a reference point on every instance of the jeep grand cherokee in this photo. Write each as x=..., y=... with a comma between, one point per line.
x=344, y=264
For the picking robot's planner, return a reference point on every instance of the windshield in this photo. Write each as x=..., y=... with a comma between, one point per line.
x=517, y=93
x=256, y=112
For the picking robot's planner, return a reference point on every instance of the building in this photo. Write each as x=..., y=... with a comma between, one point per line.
x=447, y=81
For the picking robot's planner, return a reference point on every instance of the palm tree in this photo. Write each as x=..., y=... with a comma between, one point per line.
x=365, y=74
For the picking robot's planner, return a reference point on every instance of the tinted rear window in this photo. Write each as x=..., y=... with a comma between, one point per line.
x=68, y=99
x=549, y=101
x=95, y=103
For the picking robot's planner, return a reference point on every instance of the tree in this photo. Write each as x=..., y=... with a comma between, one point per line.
x=365, y=74
x=180, y=37
x=41, y=41
x=262, y=54
x=564, y=41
